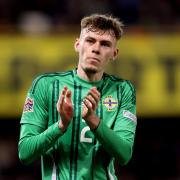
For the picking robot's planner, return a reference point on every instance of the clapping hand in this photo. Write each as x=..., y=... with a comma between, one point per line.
x=65, y=108
x=90, y=104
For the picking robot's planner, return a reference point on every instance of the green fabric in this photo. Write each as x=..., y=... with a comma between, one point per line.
x=78, y=153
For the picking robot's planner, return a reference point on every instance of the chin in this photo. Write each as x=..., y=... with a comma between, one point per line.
x=90, y=70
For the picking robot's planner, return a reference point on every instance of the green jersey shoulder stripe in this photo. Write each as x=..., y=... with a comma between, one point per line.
x=133, y=92
x=113, y=78
x=49, y=75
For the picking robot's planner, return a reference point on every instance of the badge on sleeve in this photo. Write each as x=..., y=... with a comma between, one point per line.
x=129, y=115
x=28, y=106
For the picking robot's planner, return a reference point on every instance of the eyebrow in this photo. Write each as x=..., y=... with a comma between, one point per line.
x=107, y=42
x=102, y=41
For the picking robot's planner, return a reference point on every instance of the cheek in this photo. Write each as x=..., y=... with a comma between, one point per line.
x=82, y=54
x=108, y=56
x=84, y=51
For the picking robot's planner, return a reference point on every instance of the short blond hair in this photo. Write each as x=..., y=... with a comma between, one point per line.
x=96, y=22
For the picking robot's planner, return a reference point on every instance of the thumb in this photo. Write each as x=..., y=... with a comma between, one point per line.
x=68, y=96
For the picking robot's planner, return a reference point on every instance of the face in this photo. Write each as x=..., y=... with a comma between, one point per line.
x=95, y=50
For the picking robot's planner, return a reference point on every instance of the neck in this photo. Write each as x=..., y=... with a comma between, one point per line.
x=89, y=76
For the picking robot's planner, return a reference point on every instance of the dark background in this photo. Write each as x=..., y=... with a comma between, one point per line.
x=156, y=152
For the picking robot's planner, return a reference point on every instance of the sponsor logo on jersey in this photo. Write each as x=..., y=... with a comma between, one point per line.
x=129, y=115
x=110, y=103
x=28, y=106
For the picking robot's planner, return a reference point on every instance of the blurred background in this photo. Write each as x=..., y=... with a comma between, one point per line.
x=37, y=36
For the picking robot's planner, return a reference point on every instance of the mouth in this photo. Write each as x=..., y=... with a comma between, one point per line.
x=93, y=59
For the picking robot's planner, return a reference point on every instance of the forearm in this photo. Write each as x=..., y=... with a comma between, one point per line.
x=33, y=143
x=117, y=146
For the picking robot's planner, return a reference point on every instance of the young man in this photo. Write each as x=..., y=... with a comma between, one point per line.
x=80, y=121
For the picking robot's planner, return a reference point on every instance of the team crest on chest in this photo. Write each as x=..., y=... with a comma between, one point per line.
x=110, y=103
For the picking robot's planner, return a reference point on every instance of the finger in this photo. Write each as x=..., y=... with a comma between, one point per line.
x=88, y=104
x=68, y=96
x=94, y=89
x=60, y=103
x=95, y=94
x=61, y=98
x=84, y=110
x=92, y=101
x=63, y=92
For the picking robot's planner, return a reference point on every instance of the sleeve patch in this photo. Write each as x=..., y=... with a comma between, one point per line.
x=129, y=115
x=29, y=104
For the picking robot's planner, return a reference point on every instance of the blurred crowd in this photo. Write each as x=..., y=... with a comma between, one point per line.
x=45, y=14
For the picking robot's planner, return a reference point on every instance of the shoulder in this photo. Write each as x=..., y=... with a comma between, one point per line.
x=117, y=80
x=113, y=78
x=45, y=79
x=124, y=84
x=52, y=75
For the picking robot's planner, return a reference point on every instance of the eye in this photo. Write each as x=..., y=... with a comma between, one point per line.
x=106, y=44
x=89, y=40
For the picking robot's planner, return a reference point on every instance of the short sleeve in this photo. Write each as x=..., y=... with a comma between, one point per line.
x=35, y=109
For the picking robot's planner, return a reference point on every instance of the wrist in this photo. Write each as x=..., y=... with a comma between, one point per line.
x=93, y=122
x=62, y=127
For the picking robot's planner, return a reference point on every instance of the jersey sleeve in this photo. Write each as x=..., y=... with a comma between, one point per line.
x=119, y=140
x=35, y=108
x=34, y=141
x=35, y=138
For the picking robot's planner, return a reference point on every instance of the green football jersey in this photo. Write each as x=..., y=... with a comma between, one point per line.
x=78, y=153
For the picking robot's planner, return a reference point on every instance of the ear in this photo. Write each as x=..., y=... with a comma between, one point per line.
x=115, y=54
x=76, y=45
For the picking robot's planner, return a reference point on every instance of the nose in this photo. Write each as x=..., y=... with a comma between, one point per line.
x=96, y=48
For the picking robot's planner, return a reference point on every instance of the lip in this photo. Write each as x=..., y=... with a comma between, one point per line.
x=93, y=59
